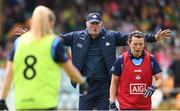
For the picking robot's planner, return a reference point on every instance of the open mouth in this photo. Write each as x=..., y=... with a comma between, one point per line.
x=138, y=51
x=95, y=29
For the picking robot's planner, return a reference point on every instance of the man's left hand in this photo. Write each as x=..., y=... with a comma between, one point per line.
x=163, y=34
x=84, y=86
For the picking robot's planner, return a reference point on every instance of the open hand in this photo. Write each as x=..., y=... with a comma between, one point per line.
x=20, y=31
x=163, y=34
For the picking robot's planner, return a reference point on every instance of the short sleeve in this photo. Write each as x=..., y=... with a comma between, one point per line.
x=117, y=67
x=59, y=52
x=155, y=66
x=12, y=52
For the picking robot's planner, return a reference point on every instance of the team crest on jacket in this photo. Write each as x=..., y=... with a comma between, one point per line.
x=79, y=45
x=137, y=88
x=107, y=44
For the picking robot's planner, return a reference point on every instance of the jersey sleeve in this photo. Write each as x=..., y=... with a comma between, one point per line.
x=59, y=52
x=155, y=66
x=12, y=51
x=11, y=54
x=116, y=69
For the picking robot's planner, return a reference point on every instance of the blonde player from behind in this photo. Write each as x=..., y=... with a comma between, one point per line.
x=33, y=65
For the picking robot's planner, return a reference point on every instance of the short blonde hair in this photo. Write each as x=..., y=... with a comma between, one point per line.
x=41, y=19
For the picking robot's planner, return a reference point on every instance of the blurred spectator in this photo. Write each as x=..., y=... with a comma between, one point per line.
x=174, y=68
x=164, y=58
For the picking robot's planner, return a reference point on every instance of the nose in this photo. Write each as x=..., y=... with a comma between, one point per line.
x=138, y=46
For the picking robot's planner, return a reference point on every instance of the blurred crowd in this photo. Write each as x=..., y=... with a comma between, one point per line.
x=148, y=16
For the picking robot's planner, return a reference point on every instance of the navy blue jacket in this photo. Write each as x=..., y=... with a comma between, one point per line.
x=108, y=40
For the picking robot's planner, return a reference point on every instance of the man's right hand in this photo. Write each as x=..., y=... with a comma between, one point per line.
x=3, y=105
x=84, y=86
x=112, y=106
x=20, y=31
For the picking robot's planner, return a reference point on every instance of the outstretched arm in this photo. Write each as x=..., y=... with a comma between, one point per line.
x=121, y=38
x=160, y=35
x=68, y=37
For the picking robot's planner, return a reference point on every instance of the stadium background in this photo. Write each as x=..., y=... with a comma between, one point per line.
x=121, y=15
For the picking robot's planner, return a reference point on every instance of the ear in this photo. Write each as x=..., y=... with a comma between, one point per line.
x=102, y=25
x=52, y=23
x=144, y=44
x=128, y=44
x=87, y=23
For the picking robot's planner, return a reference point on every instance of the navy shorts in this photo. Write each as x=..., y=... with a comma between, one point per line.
x=97, y=97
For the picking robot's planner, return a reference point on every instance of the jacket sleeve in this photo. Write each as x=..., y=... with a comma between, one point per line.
x=150, y=37
x=121, y=38
x=68, y=38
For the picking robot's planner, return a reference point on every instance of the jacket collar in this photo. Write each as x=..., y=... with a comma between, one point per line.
x=102, y=33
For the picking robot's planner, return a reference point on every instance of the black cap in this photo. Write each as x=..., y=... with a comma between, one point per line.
x=94, y=17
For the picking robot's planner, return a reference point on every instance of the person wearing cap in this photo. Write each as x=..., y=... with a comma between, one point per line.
x=132, y=76
x=93, y=53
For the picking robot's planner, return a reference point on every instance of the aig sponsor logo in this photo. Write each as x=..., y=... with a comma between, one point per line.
x=137, y=88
